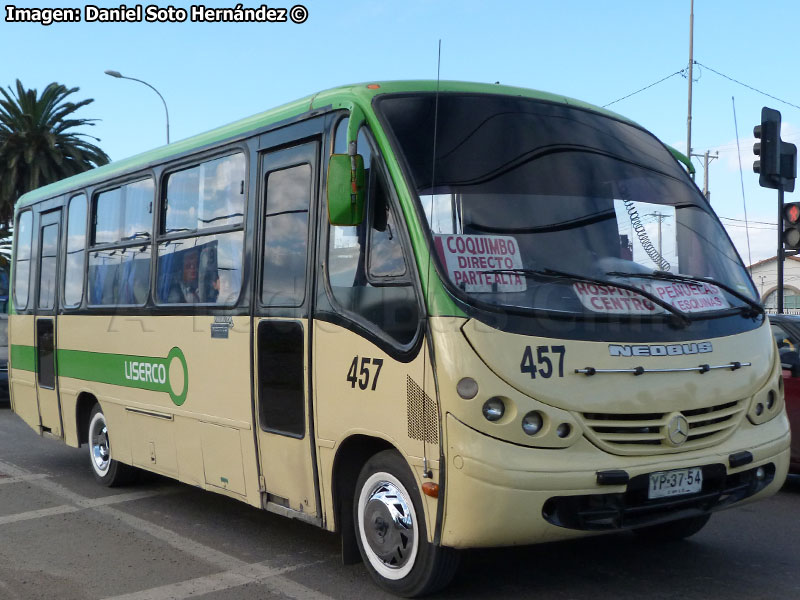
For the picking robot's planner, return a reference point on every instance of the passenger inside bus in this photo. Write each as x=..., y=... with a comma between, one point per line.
x=192, y=278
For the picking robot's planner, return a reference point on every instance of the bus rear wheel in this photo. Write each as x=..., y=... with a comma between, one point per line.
x=673, y=530
x=391, y=533
x=106, y=470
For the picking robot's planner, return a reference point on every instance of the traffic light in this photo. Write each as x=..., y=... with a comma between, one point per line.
x=791, y=225
x=777, y=164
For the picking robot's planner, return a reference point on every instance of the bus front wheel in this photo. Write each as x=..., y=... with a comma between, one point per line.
x=391, y=532
x=106, y=470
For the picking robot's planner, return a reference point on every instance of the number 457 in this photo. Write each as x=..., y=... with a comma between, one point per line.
x=542, y=364
x=362, y=375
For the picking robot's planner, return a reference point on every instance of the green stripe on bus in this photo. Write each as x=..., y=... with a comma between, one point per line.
x=22, y=357
x=140, y=372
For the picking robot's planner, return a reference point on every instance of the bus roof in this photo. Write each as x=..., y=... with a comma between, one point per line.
x=340, y=97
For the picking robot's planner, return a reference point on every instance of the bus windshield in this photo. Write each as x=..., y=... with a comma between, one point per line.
x=537, y=205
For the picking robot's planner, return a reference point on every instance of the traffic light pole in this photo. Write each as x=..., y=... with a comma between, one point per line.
x=777, y=169
x=780, y=255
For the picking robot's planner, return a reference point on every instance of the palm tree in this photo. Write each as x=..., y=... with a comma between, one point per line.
x=38, y=141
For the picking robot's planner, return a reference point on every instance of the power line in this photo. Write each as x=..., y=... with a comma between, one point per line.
x=647, y=87
x=749, y=226
x=750, y=87
x=741, y=179
x=744, y=221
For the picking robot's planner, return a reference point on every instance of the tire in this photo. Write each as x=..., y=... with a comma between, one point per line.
x=106, y=470
x=674, y=530
x=391, y=533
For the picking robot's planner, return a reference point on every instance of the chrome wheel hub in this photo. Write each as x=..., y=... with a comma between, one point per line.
x=389, y=525
x=100, y=450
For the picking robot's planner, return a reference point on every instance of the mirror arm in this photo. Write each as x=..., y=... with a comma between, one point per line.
x=352, y=151
x=356, y=120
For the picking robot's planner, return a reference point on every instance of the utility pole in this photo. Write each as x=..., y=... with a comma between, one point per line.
x=691, y=64
x=660, y=217
x=706, y=159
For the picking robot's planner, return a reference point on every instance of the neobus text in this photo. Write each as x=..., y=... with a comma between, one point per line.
x=659, y=350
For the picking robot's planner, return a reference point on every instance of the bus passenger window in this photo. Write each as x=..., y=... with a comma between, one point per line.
x=286, y=236
x=47, y=267
x=5, y=264
x=195, y=267
x=22, y=267
x=366, y=266
x=76, y=241
x=119, y=269
x=200, y=270
x=207, y=195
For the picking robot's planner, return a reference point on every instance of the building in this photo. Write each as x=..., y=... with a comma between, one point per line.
x=765, y=276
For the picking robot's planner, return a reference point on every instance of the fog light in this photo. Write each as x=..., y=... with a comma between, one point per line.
x=494, y=409
x=759, y=409
x=467, y=388
x=532, y=423
x=770, y=400
x=563, y=430
x=760, y=473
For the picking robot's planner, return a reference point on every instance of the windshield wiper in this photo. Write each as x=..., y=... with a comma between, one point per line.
x=755, y=307
x=682, y=317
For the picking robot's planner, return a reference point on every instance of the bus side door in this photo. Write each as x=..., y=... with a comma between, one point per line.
x=45, y=321
x=289, y=182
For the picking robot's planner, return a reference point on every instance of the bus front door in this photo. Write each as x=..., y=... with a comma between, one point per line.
x=45, y=322
x=288, y=182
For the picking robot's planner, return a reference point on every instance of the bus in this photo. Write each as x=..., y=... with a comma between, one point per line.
x=425, y=315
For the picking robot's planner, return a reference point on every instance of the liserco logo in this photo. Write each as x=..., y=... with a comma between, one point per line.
x=169, y=375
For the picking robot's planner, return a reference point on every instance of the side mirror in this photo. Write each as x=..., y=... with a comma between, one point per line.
x=346, y=189
x=790, y=359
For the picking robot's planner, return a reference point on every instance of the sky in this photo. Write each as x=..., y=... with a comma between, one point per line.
x=211, y=74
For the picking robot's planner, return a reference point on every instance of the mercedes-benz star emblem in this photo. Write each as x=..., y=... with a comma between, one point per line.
x=677, y=430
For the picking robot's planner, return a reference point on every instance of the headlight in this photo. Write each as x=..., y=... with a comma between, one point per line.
x=494, y=409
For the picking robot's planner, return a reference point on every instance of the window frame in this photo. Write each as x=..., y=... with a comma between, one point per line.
x=40, y=256
x=17, y=307
x=364, y=327
x=160, y=222
x=118, y=185
x=263, y=248
x=369, y=213
x=92, y=246
x=84, y=270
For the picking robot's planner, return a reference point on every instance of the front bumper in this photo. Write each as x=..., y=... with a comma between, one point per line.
x=501, y=494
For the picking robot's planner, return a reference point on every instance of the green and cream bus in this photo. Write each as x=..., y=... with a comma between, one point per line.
x=426, y=316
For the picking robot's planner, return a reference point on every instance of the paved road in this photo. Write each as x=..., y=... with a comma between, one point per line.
x=62, y=536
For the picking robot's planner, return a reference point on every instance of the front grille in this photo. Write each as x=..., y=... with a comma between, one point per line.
x=646, y=433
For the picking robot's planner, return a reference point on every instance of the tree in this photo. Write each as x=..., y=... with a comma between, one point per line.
x=39, y=143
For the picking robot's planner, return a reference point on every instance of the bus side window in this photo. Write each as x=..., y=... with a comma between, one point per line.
x=119, y=262
x=366, y=265
x=194, y=266
x=4, y=284
x=22, y=267
x=76, y=242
